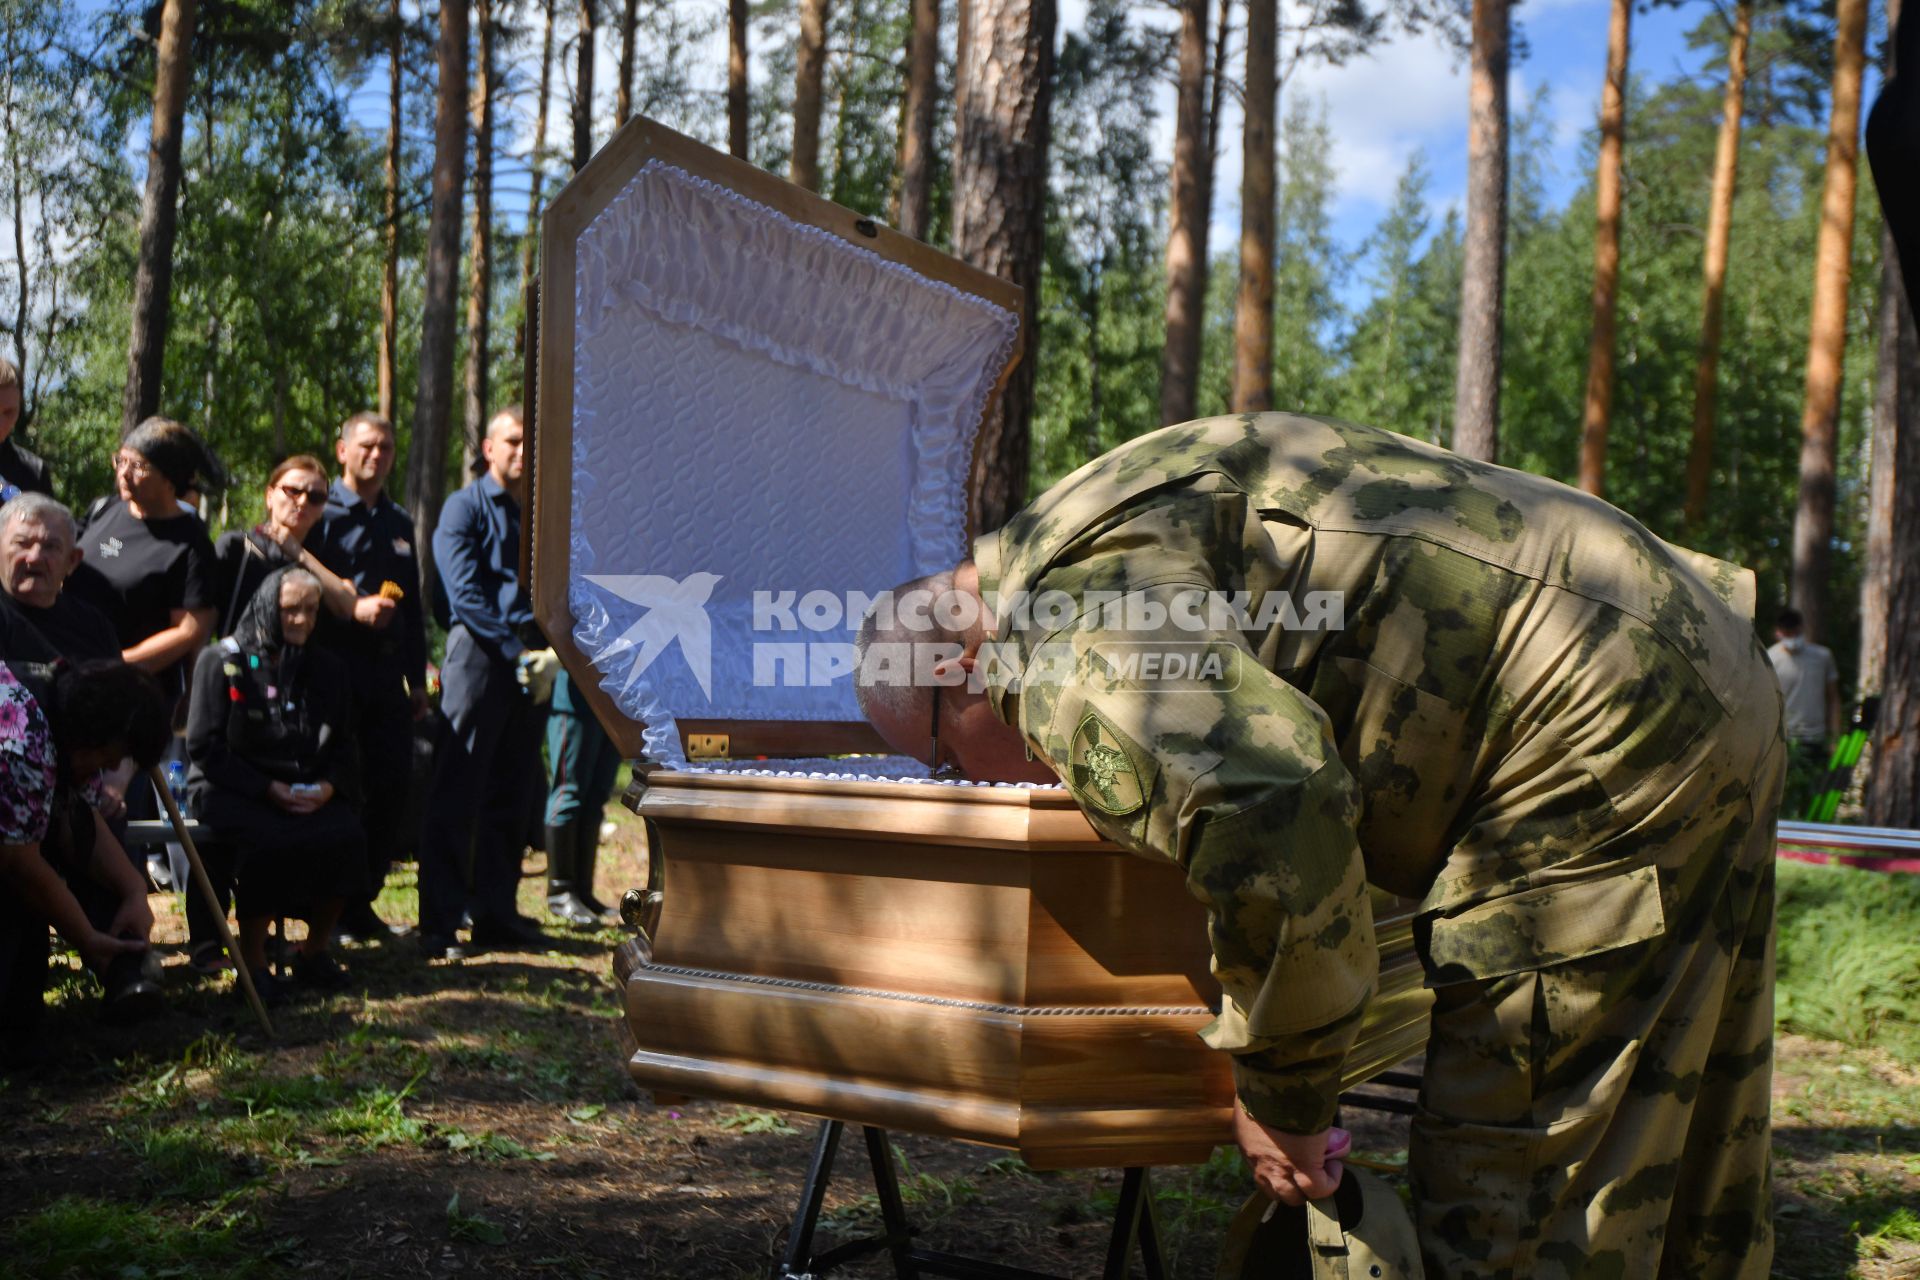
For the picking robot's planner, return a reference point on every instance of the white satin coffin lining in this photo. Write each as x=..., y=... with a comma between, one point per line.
x=758, y=405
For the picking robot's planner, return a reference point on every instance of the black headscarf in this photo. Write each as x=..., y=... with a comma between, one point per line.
x=258, y=634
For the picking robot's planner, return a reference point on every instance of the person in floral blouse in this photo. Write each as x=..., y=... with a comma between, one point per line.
x=60, y=727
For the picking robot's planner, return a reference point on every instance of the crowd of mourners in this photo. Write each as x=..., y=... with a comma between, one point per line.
x=275, y=681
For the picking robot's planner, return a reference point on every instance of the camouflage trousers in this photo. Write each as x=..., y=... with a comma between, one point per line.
x=1607, y=1118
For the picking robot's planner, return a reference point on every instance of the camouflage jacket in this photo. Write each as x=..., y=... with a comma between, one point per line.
x=1459, y=683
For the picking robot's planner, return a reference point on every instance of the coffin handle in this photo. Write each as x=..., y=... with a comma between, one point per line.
x=640, y=908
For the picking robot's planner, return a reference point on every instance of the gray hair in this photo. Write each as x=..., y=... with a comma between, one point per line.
x=899, y=701
x=40, y=508
x=300, y=577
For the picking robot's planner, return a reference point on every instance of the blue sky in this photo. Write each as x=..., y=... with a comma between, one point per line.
x=1410, y=97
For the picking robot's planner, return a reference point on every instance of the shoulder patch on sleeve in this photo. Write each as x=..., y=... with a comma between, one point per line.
x=1102, y=769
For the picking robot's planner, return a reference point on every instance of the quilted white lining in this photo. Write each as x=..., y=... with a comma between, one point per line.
x=759, y=401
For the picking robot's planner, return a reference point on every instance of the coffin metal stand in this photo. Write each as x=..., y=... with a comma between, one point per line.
x=1133, y=1220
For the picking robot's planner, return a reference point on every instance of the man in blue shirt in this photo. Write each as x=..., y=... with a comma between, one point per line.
x=478, y=802
x=367, y=538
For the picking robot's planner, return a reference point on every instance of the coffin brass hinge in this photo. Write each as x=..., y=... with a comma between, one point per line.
x=709, y=746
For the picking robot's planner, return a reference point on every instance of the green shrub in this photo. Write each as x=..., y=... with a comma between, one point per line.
x=1849, y=956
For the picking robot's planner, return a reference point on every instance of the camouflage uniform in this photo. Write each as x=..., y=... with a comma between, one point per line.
x=1553, y=730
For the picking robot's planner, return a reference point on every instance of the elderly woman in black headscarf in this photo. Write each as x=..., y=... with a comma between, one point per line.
x=270, y=736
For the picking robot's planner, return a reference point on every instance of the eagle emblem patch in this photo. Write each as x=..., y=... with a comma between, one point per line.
x=1102, y=772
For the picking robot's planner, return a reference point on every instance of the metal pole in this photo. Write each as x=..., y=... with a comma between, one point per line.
x=218, y=908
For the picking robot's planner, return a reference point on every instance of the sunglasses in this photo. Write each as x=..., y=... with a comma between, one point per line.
x=296, y=493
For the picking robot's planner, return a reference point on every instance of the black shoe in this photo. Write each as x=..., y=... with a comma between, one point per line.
x=516, y=932
x=586, y=859
x=564, y=905
x=132, y=1002
x=435, y=946
x=358, y=923
x=318, y=969
x=271, y=990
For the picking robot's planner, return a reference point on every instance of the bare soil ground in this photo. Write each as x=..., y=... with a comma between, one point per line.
x=473, y=1118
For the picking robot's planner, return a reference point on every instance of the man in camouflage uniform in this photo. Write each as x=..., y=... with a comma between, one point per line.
x=1554, y=731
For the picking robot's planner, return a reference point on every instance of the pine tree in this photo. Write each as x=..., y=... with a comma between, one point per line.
x=159, y=211
x=1813, y=522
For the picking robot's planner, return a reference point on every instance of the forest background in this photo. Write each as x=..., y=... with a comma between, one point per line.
x=306, y=163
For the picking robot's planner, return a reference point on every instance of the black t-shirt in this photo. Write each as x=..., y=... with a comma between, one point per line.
x=138, y=572
x=22, y=470
x=68, y=628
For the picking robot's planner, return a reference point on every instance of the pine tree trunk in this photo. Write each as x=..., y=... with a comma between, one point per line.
x=1186, y=274
x=1210, y=158
x=808, y=77
x=390, y=250
x=1893, y=791
x=623, y=97
x=1895, y=329
x=737, y=101
x=583, y=89
x=480, y=254
x=535, y=177
x=159, y=215
x=22, y=303
x=1827, y=338
x=1597, y=413
x=1003, y=99
x=433, y=398
x=1483, y=267
x=1253, y=309
x=1726, y=165
x=915, y=214
x=1893, y=794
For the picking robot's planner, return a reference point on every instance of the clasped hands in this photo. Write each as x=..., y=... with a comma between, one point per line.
x=1293, y=1168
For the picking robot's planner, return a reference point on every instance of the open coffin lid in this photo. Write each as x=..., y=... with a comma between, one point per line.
x=746, y=394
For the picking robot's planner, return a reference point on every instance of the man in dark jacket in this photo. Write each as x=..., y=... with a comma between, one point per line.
x=478, y=800
x=367, y=538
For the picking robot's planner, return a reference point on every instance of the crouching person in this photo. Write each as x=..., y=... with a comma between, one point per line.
x=61, y=726
x=270, y=737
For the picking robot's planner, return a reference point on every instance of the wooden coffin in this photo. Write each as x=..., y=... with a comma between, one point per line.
x=722, y=411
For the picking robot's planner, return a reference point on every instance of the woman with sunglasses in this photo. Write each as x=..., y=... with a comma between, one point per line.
x=149, y=564
x=296, y=498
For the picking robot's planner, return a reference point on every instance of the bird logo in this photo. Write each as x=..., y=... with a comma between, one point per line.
x=676, y=609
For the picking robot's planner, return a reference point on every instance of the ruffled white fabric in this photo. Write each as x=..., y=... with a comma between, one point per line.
x=757, y=400
x=903, y=769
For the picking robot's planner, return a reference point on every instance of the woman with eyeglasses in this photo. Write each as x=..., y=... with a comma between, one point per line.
x=296, y=498
x=149, y=563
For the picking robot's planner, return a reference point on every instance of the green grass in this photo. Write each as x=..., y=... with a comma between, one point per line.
x=186, y=1162
x=1849, y=957
x=79, y=1237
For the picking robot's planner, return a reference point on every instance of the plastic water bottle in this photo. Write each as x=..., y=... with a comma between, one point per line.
x=177, y=781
